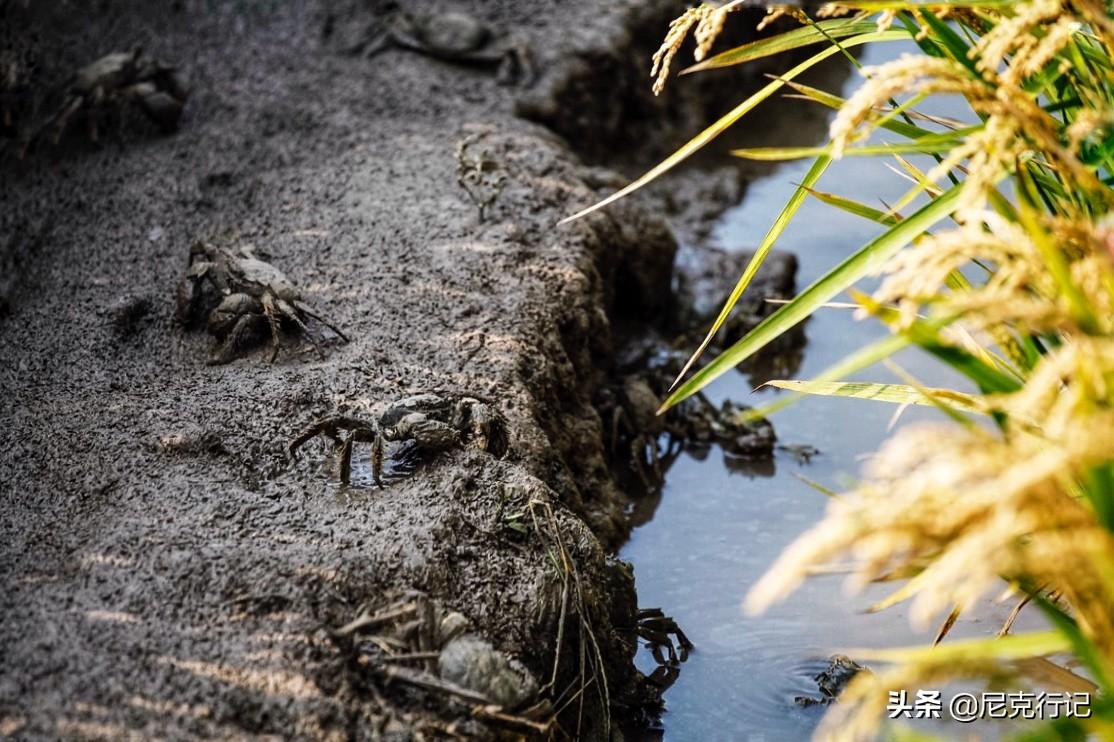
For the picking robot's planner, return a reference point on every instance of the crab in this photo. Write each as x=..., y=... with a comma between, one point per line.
x=657, y=630
x=240, y=297
x=630, y=409
x=656, y=627
x=451, y=37
x=431, y=422
x=801, y=452
x=417, y=641
x=832, y=680
x=116, y=80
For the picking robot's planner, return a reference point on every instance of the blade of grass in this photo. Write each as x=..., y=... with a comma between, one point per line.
x=1016, y=646
x=854, y=207
x=903, y=128
x=713, y=131
x=783, y=218
x=866, y=259
x=779, y=154
x=857, y=361
x=892, y=393
x=799, y=37
x=928, y=394
x=927, y=335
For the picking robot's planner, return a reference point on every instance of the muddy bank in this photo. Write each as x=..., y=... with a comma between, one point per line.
x=187, y=590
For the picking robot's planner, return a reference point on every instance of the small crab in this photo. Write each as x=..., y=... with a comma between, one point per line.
x=431, y=422
x=832, y=680
x=802, y=452
x=630, y=410
x=240, y=298
x=451, y=37
x=726, y=425
x=420, y=642
x=656, y=627
x=657, y=630
x=115, y=80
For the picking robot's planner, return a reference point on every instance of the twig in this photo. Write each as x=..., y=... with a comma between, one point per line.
x=365, y=620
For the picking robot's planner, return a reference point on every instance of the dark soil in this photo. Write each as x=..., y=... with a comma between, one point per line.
x=165, y=569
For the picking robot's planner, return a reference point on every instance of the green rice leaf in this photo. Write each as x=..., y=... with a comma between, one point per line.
x=837, y=28
x=893, y=393
x=1015, y=646
x=857, y=361
x=868, y=258
x=777, y=154
x=783, y=218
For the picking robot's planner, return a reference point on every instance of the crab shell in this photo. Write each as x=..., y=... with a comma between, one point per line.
x=259, y=277
x=221, y=285
x=110, y=71
x=158, y=89
x=452, y=33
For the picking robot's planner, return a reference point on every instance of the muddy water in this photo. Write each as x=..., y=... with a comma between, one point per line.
x=717, y=529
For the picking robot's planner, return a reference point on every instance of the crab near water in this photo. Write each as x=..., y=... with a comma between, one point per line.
x=636, y=432
x=832, y=680
x=451, y=37
x=241, y=299
x=432, y=423
x=658, y=630
x=113, y=82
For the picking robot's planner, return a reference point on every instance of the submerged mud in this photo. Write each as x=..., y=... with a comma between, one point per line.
x=166, y=568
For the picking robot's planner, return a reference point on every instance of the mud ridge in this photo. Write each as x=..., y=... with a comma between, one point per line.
x=166, y=569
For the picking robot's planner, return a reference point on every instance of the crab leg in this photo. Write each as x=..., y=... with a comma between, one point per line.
x=331, y=427
x=237, y=338
x=377, y=460
x=271, y=313
x=346, y=459
x=310, y=313
x=292, y=313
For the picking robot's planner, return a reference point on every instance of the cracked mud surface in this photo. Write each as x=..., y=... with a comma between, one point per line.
x=165, y=569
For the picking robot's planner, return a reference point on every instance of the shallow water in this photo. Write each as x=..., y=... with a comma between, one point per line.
x=716, y=531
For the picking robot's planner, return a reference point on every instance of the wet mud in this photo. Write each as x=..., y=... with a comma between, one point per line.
x=167, y=569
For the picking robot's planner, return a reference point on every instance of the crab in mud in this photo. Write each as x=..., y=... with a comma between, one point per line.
x=115, y=80
x=832, y=680
x=451, y=37
x=240, y=298
x=431, y=423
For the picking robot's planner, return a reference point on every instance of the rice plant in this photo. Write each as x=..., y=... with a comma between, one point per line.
x=999, y=262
